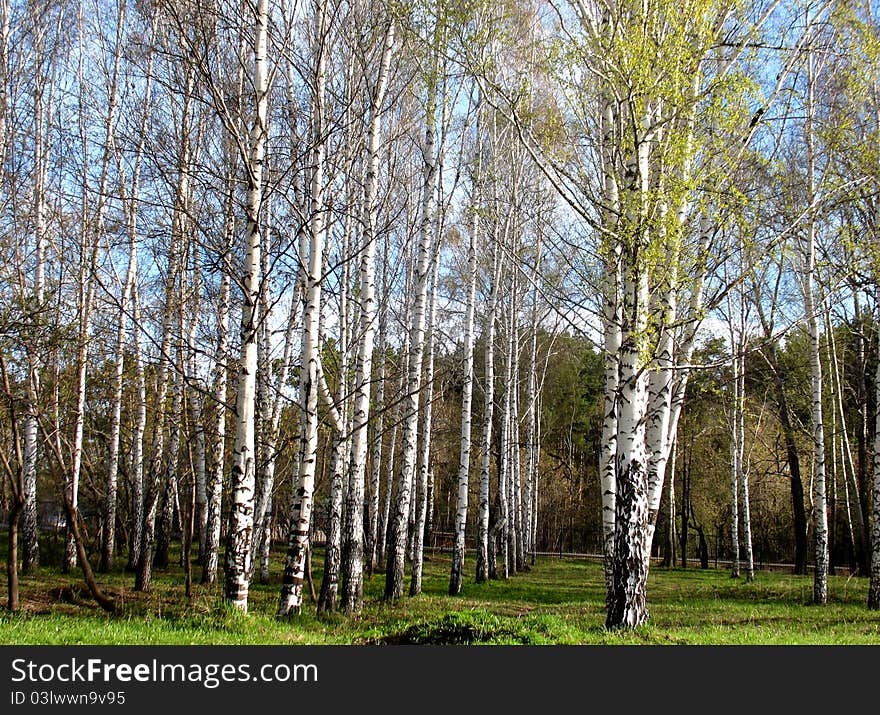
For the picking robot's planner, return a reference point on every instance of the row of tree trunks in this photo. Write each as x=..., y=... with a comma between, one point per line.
x=180, y=476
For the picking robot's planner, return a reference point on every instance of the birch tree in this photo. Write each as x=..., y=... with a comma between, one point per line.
x=464, y=464
x=483, y=536
x=109, y=544
x=218, y=447
x=231, y=161
x=421, y=276
x=424, y=458
x=43, y=90
x=352, y=595
x=243, y=474
x=646, y=143
x=820, y=513
x=290, y=600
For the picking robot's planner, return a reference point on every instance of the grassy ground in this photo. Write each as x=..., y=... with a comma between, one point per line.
x=559, y=601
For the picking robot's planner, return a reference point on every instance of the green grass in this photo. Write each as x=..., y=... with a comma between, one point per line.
x=559, y=601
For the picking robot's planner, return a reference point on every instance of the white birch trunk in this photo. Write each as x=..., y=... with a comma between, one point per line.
x=201, y=475
x=424, y=463
x=378, y=519
x=505, y=477
x=198, y=516
x=218, y=445
x=612, y=336
x=290, y=600
x=743, y=476
x=631, y=551
x=333, y=549
x=215, y=484
x=532, y=406
x=628, y=606
x=464, y=461
x=483, y=555
x=505, y=482
x=145, y=554
x=243, y=473
x=371, y=536
x=386, y=533
x=666, y=385
x=264, y=382
x=516, y=556
x=660, y=382
x=385, y=522
x=271, y=404
x=352, y=596
x=421, y=276
x=340, y=402
x=109, y=541
x=536, y=478
x=874, y=582
x=42, y=149
x=136, y=457
x=30, y=545
x=820, y=515
x=735, y=455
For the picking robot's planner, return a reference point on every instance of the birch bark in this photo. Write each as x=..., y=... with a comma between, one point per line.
x=136, y=456
x=109, y=541
x=290, y=600
x=30, y=547
x=464, y=459
x=735, y=456
x=744, y=469
x=612, y=322
x=874, y=582
x=421, y=276
x=483, y=555
x=424, y=463
x=218, y=445
x=820, y=515
x=43, y=102
x=243, y=473
x=385, y=530
x=532, y=447
x=632, y=539
x=352, y=594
